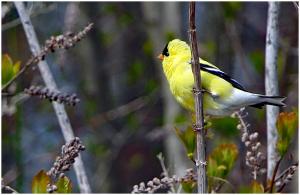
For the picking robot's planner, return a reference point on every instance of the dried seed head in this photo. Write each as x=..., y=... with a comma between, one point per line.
x=150, y=183
x=239, y=126
x=51, y=95
x=247, y=143
x=142, y=185
x=156, y=181
x=248, y=154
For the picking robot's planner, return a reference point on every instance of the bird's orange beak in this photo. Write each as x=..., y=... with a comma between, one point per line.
x=161, y=57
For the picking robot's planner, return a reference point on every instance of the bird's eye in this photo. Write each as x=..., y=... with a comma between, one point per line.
x=166, y=51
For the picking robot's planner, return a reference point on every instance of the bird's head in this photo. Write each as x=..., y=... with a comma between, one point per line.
x=174, y=48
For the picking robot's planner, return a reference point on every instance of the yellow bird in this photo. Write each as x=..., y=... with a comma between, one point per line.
x=223, y=95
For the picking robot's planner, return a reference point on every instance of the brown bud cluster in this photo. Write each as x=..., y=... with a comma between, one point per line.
x=65, y=161
x=65, y=41
x=165, y=183
x=60, y=42
x=51, y=95
x=254, y=158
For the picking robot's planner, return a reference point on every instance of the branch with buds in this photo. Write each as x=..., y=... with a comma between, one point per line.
x=64, y=162
x=55, y=42
x=51, y=95
x=254, y=157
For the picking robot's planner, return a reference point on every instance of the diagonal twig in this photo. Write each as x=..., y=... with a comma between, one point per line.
x=50, y=83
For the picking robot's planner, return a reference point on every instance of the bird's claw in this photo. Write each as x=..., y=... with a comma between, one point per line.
x=197, y=128
x=202, y=163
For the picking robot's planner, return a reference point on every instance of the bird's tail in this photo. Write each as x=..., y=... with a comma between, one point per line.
x=270, y=100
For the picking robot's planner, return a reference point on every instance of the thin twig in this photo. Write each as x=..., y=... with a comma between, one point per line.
x=7, y=189
x=223, y=181
x=122, y=110
x=282, y=177
x=50, y=83
x=200, y=132
x=274, y=175
x=165, y=171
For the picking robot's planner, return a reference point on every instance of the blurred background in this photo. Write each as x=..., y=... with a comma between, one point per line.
x=126, y=115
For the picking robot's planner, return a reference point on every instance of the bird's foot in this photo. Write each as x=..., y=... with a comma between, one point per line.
x=200, y=163
x=197, y=128
x=196, y=91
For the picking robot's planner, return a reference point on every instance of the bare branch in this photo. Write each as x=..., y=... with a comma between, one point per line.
x=52, y=95
x=7, y=189
x=199, y=127
x=271, y=83
x=165, y=171
x=54, y=43
x=50, y=83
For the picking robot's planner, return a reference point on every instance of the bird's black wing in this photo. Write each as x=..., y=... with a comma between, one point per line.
x=223, y=75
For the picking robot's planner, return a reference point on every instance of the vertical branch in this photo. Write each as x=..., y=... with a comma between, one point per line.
x=271, y=83
x=50, y=83
x=200, y=134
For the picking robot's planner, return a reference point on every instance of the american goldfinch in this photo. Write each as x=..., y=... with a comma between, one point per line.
x=222, y=95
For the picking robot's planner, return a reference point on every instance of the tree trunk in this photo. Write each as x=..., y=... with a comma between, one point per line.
x=271, y=83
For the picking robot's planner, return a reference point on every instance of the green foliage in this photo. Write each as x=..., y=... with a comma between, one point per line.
x=64, y=185
x=135, y=71
x=226, y=126
x=210, y=49
x=231, y=9
x=39, y=182
x=133, y=122
x=280, y=64
x=180, y=118
x=136, y=161
x=151, y=85
x=221, y=161
x=286, y=124
x=188, y=139
x=255, y=188
x=148, y=47
x=9, y=68
x=110, y=8
x=189, y=187
x=125, y=19
x=170, y=36
x=106, y=38
x=257, y=58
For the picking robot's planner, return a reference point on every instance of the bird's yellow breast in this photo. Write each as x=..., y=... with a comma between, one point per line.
x=180, y=77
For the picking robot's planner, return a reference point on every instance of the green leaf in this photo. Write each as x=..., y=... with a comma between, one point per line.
x=220, y=162
x=39, y=182
x=148, y=47
x=226, y=126
x=254, y=188
x=286, y=125
x=9, y=69
x=188, y=187
x=257, y=58
x=231, y=9
x=64, y=185
x=257, y=187
x=188, y=138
